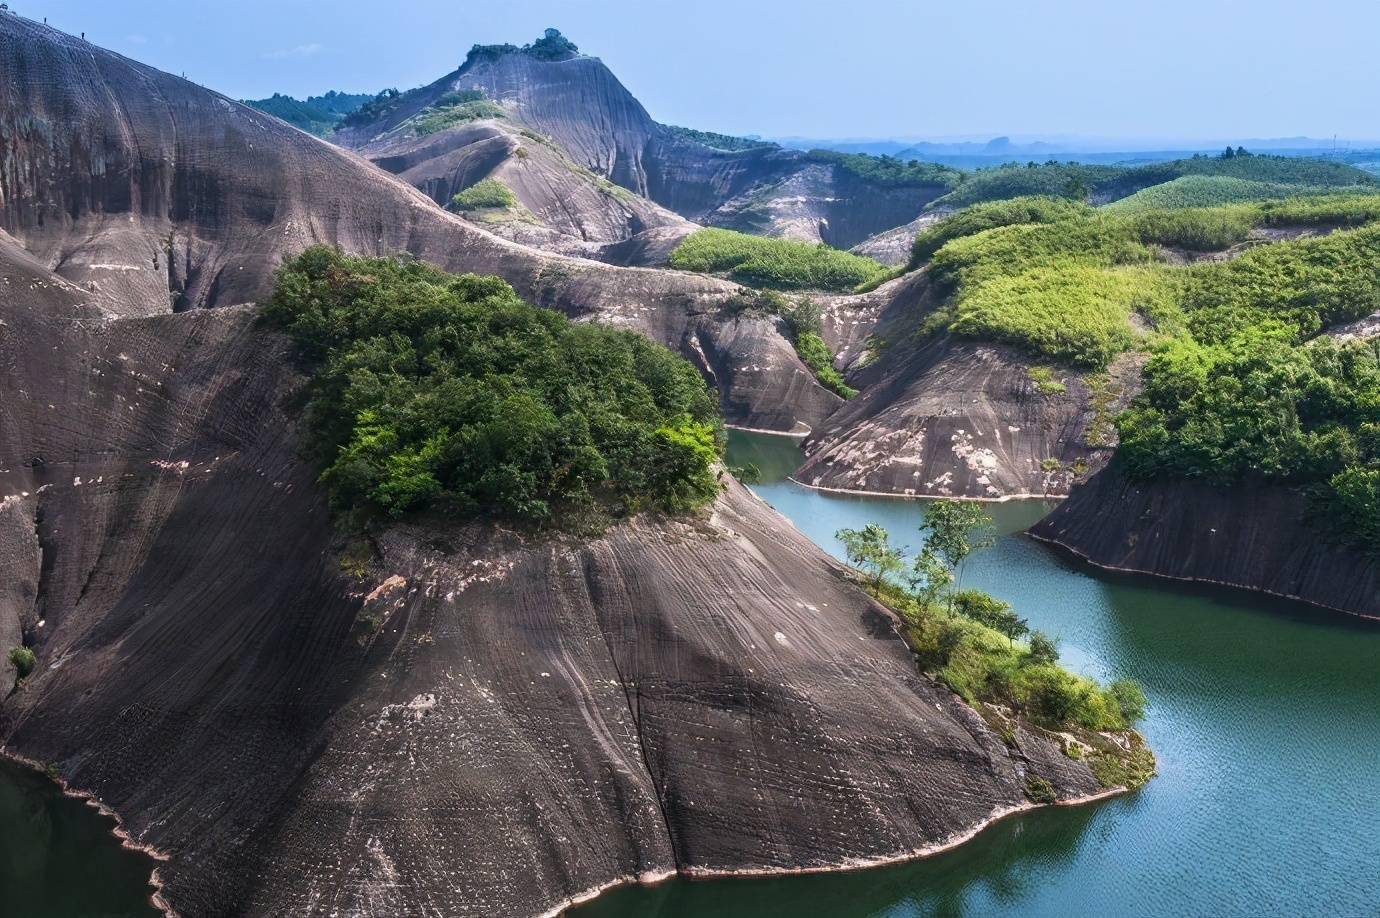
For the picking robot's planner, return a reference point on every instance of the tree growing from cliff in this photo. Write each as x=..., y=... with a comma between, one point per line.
x=1043, y=649
x=986, y=609
x=953, y=530
x=870, y=549
x=929, y=577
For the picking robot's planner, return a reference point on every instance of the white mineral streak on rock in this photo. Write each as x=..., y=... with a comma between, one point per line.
x=386, y=587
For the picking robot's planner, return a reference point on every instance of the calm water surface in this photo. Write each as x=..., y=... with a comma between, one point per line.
x=58, y=858
x=1264, y=716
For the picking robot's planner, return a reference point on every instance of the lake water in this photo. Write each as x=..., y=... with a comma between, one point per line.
x=59, y=858
x=1264, y=716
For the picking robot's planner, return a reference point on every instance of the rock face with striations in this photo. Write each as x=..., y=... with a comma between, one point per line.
x=481, y=723
x=1251, y=536
x=155, y=195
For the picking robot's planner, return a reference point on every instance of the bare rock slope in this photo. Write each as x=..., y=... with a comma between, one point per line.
x=939, y=415
x=156, y=195
x=483, y=724
x=561, y=206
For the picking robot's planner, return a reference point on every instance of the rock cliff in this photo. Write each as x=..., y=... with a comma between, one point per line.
x=939, y=415
x=455, y=718
x=1250, y=536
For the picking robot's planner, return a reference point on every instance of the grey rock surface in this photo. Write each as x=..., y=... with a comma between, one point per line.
x=485, y=723
x=944, y=416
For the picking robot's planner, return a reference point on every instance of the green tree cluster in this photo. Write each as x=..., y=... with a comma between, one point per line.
x=889, y=171
x=436, y=390
x=23, y=661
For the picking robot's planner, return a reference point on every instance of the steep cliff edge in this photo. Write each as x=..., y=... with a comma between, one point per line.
x=474, y=723
x=152, y=195
x=943, y=416
x=1249, y=536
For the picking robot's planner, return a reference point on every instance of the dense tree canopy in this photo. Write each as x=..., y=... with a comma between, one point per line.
x=432, y=389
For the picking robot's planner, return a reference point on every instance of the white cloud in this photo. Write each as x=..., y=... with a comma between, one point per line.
x=306, y=50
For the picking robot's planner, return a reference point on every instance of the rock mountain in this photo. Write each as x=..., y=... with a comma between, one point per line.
x=481, y=724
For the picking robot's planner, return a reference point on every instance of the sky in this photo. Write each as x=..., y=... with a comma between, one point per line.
x=1206, y=69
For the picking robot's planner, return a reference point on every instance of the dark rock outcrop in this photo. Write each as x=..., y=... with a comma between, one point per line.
x=152, y=194
x=1251, y=536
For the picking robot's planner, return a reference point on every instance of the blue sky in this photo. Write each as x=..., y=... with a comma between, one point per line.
x=1208, y=69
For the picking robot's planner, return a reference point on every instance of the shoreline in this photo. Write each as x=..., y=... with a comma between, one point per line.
x=1258, y=591
x=118, y=830
x=791, y=434
x=851, y=865
x=891, y=494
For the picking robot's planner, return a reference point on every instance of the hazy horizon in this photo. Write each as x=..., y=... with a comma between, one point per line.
x=1193, y=73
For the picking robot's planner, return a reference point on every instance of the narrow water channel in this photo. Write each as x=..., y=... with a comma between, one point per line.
x=1264, y=715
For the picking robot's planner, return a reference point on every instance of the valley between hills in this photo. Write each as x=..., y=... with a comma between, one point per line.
x=371, y=546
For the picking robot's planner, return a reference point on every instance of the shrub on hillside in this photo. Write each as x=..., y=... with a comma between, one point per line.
x=486, y=193
x=775, y=263
x=23, y=661
x=987, y=216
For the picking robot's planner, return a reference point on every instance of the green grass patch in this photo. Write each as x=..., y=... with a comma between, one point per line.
x=1349, y=210
x=1078, y=181
x=1070, y=312
x=432, y=390
x=779, y=264
x=1205, y=191
x=815, y=354
x=433, y=119
x=1045, y=382
x=484, y=194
